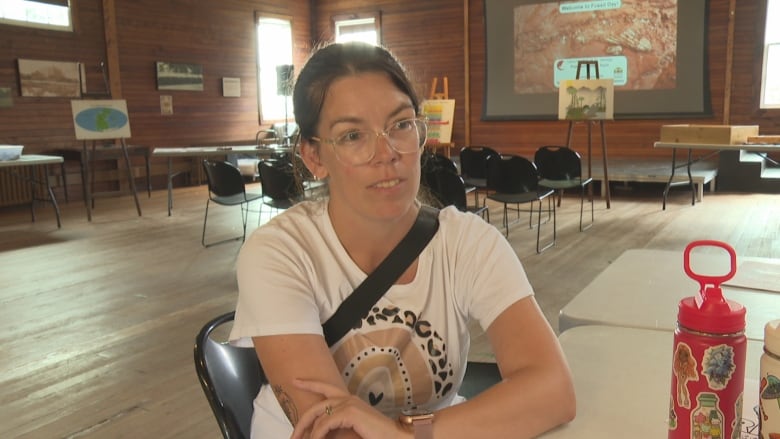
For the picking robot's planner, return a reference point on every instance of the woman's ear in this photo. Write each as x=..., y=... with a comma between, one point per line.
x=310, y=153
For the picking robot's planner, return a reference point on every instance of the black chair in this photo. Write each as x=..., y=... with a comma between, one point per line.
x=431, y=163
x=226, y=188
x=515, y=180
x=561, y=168
x=473, y=167
x=450, y=190
x=231, y=378
x=277, y=178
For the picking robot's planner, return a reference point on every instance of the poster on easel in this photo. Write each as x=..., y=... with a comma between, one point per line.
x=586, y=99
x=100, y=119
x=441, y=115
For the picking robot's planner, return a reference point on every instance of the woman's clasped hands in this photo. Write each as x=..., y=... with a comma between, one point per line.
x=341, y=410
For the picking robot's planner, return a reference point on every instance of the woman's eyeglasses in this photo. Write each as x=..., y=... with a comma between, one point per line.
x=358, y=147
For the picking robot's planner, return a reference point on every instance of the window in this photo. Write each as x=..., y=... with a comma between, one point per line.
x=770, y=77
x=357, y=27
x=48, y=14
x=274, y=49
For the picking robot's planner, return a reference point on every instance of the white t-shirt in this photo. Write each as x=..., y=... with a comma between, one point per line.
x=411, y=348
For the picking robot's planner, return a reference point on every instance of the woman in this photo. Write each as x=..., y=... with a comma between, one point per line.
x=360, y=132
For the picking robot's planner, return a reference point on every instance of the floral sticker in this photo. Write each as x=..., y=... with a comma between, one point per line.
x=718, y=366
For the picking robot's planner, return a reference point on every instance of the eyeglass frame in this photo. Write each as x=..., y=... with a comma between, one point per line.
x=384, y=133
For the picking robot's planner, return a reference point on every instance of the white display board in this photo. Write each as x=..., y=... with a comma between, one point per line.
x=100, y=119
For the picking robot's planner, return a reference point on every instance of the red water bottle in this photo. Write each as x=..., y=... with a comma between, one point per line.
x=708, y=366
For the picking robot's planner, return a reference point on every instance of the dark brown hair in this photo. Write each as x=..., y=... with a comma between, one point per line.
x=337, y=60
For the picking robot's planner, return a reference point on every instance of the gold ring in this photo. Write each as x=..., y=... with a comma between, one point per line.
x=328, y=410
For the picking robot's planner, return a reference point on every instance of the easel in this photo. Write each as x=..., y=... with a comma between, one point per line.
x=607, y=194
x=88, y=157
x=433, y=95
x=113, y=141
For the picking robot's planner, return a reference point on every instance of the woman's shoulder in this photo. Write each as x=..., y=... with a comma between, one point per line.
x=453, y=220
x=302, y=220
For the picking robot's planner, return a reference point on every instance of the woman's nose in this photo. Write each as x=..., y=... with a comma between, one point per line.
x=384, y=150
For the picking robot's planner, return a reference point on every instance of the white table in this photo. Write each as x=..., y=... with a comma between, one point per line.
x=35, y=160
x=208, y=151
x=752, y=147
x=642, y=288
x=622, y=378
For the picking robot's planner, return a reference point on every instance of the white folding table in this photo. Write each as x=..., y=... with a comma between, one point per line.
x=35, y=160
x=622, y=378
x=642, y=289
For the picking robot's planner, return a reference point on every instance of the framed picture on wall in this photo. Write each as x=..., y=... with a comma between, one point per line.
x=179, y=76
x=38, y=78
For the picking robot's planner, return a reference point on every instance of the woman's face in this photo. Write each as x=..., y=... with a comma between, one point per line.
x=386, y=186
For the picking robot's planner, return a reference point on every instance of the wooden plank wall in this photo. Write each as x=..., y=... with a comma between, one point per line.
x=43, y=123
x=428, y=36
x=220, y=36
x=440, y=24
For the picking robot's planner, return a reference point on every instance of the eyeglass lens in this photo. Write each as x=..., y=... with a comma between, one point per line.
x=359, y=147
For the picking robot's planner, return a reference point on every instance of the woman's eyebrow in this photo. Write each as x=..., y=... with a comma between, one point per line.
x=354, y=119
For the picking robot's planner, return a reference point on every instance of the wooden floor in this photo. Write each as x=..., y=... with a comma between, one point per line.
x=98, y=319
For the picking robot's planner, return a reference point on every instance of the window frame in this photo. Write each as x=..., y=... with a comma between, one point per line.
x=358, y=18
x=40, y=25
x=262, y=118
x=770, y=48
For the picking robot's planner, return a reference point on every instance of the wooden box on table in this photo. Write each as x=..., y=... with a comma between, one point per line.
x=708, y=134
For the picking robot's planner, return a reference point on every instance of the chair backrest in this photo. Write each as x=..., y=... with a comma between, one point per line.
x=512, y=174
x=230, y=376
x=473, y=160
x=223, y=178
x=431, y=164
x=558, y=163
x=277, y=179
x=449, y=189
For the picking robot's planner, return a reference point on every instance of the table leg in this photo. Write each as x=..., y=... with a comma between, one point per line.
x=690, y=179
x=148, y=174
x=64, y=180
x=32, y=194
x=607, y=194
x=170, y=185
x=671, y=177
x=85, y=175
x=52, y=199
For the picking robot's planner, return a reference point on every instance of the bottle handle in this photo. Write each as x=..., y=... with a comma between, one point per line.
x=709, y=280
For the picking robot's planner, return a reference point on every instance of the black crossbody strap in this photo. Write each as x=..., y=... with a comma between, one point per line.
x=383, y=277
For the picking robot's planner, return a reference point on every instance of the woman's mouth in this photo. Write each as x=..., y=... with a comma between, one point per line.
x=387, y=183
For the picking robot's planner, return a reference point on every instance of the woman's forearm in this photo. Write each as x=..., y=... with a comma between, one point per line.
x=523, y=405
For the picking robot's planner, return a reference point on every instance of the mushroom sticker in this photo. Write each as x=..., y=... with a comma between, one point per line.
x=772, y=389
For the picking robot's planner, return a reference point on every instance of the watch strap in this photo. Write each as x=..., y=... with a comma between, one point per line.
x=423, y=428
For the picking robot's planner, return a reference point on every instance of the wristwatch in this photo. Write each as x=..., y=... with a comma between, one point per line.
x=420, y=420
